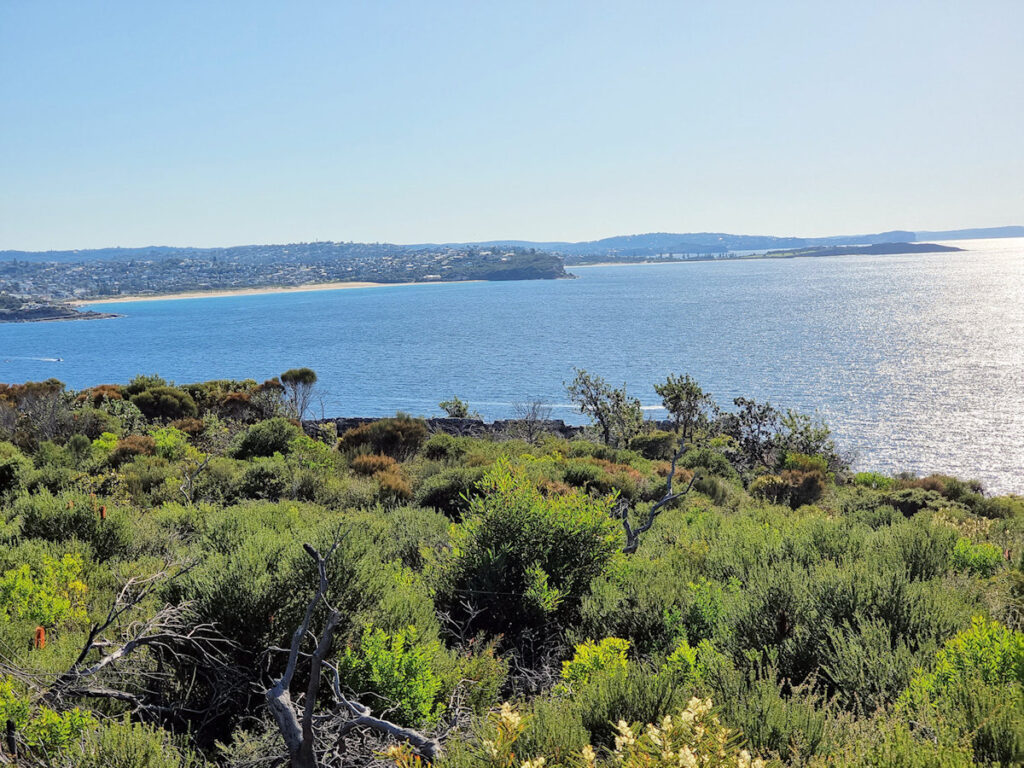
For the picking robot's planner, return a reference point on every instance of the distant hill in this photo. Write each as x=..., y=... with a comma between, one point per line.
x=971, y=234
x=624, y=247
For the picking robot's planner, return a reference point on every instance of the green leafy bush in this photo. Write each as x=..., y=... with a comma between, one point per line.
x=874, y=480
x=771, y=488
x=450, y=490
x=656, y=444
x=398, y=438
x=14, y=469
x=265, y=439
x=166, y=403
x=444, y=447
x=49, y=595
x=981, y=559
x=607, y=656
x=64, y=518
x=526, y=558
x=398, y=668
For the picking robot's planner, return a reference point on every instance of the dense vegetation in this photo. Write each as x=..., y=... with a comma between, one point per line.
x=618, y=600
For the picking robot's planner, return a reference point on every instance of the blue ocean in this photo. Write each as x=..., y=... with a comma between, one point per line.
x=916, y=361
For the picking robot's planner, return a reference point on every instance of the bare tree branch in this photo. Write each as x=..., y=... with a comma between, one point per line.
x=622, y=508
x=299, y=725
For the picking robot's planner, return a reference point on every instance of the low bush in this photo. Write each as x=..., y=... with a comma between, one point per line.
x=369, y=464
x=398, y=668
x=450, y=490
x=981, y=559
x=14, y=469
x=265, y=439
x=656, y=444
x=398, y=438
x=131, y=446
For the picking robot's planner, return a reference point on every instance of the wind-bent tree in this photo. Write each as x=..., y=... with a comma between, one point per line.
x=618, y=416
x=688, y=405
x=298, y=386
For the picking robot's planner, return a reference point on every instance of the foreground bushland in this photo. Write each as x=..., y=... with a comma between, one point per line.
x=160, y=545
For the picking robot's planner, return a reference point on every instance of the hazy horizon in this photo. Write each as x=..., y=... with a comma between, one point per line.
x=502, y=239
x=221, y=124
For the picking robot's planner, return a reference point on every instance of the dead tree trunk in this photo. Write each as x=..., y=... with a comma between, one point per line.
x=623, y=508
x=298, y=723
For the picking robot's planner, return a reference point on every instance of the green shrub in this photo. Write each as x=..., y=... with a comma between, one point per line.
x=583, y=474
x=589, y=658
x=523, y=557
x=910, y=501
x=167, y=403
x=656, y=444
x=169, y=443
x=709, y=460
x=712, y=487
x=874, y=480
x=988, y=651
x=398, y=438
x=444, y=447
x=43, y=730
x=49, y=595
x=266, y=438
x=266, y=478
x=124, y=744
x=771, y=488
x=450, y=490
x=921, y=547
x=14, y=469
x=398, y=668
x=981, y=559
x=1001, y=507
x=64, y=518
x=976, y=689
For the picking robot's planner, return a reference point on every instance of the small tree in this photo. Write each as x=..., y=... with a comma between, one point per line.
x=457, y=409
x=298, y=386
x=618, y=416
x=688, y=405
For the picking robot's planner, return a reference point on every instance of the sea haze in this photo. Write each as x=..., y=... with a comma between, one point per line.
x=916, y=361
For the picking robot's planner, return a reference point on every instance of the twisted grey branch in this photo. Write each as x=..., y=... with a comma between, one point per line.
x=622, y=508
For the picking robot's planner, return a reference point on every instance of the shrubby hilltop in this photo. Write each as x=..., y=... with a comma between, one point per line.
x=194, y=575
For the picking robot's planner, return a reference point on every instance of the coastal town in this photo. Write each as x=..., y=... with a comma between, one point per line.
x=40, y=286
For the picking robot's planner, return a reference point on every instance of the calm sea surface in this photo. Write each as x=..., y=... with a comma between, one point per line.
x=916, y=361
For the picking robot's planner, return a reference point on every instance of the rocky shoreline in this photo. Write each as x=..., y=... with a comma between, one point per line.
x=52, y=313
x=498, y=429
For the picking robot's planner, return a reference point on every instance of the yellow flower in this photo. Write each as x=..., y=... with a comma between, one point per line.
x=588, y=755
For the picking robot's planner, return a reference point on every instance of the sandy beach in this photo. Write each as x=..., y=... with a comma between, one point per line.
x=256, y=291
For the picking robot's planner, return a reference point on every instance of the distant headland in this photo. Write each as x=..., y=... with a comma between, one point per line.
x=49, y=285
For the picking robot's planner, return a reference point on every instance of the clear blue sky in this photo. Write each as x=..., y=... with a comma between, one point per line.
x=219, y=123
